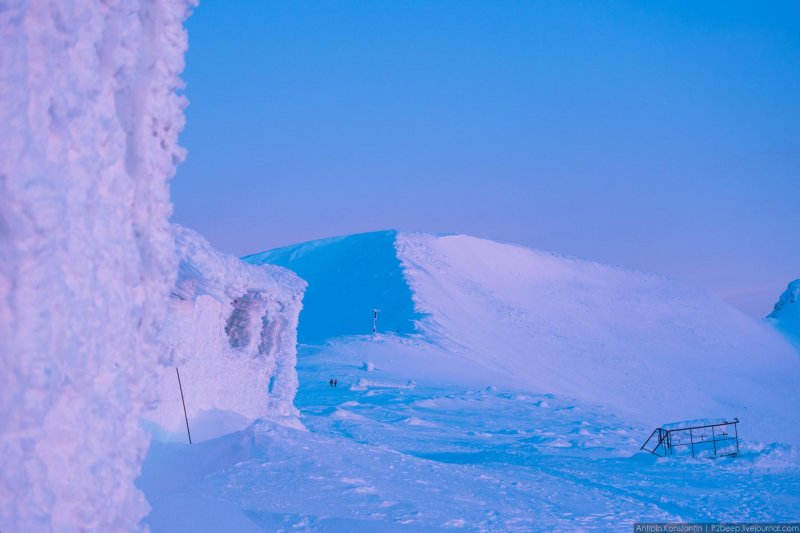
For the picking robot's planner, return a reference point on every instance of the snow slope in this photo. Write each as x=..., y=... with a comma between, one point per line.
x=786, y=314
x=653, y=349
x=231, y=329
x=348, y=276
x=90, y=120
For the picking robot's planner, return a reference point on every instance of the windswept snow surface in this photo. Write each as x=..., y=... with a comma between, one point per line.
x=786, y=314
x=518, y=403
x=232, y=331
x=90, y=120
x=652, y=349
x=442, y=456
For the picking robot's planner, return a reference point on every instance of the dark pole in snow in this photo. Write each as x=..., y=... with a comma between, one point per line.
x=375, y=321
x=184, y=405
x=714, y=439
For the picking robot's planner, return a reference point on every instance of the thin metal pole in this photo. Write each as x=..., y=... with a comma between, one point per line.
x=184, y=405
x=736, y=428
x=714, y=439
x=691, y=440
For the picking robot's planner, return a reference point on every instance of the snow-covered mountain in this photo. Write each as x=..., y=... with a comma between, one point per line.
x=786, y=314
x=506, y=390
x=651, y=349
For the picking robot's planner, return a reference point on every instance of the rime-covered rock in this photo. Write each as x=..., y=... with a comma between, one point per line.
x=786, y=313
x=231, y=331
x=90, y=120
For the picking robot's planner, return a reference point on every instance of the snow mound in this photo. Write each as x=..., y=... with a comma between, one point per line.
x=231, y=331
x=347, y=278
x=786, y=314
x=90, y=120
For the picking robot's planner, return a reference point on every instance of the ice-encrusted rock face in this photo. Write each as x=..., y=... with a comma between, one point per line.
x=232, y=332
x=786, y=313
x=789, y=302
x=90, y=118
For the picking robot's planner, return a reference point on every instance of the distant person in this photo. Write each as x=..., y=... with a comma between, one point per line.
x=335, y=381
x=331, y=382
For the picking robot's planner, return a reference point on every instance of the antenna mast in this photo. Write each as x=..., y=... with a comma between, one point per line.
x=375, y=321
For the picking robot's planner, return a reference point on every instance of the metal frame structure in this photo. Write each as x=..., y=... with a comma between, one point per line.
x=701, y=440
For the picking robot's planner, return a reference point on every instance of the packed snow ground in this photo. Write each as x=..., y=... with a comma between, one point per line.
x=444, y=455
x=475, y=422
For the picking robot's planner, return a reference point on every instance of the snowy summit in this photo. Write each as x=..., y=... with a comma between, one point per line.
x=383, y=381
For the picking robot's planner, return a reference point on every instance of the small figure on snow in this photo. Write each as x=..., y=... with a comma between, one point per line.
x=335, y=381
x=331, y=382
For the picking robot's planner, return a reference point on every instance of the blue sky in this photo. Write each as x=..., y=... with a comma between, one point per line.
x=660, y=136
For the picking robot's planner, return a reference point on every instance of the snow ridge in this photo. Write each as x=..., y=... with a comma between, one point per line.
x=91, y=117
x=232, y=331
x=347, y=277
x=653, y=349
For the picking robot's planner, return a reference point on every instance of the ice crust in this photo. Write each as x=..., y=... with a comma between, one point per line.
x=100, y=297
x=90, y=116
x=232, y=331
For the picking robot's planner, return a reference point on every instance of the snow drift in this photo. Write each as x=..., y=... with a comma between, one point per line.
x=90, y=118
x=786, y=314
x=652, y=349
x=231, y=329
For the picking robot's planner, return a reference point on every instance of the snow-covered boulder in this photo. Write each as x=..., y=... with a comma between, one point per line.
x=232, y=332
x=89, y=124
x=786, y=313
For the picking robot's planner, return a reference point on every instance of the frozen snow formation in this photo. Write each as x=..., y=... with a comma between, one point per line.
x=90, y=119
x=786, y=314
x=232, y=332
x=651, y=349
